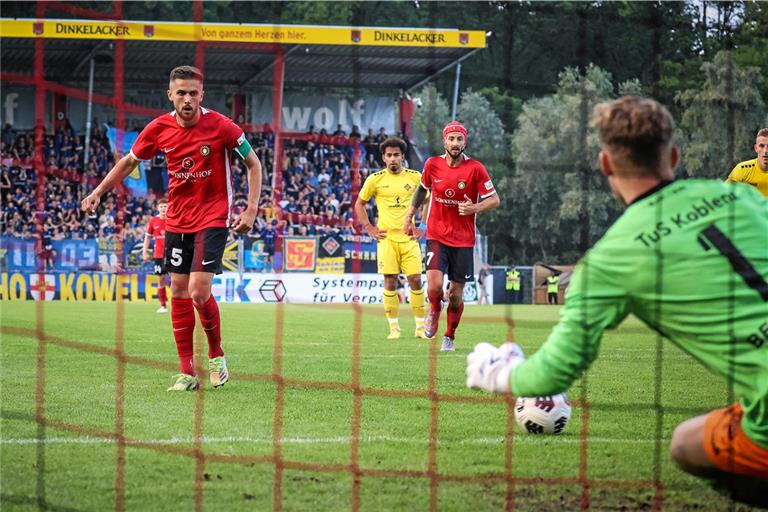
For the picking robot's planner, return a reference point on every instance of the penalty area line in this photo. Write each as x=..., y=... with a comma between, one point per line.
x=527, y=439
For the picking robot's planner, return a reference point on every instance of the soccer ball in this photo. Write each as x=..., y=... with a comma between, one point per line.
x=543, y=414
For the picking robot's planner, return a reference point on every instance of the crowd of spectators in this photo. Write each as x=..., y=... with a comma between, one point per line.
x=313, y=196
x=64, y=184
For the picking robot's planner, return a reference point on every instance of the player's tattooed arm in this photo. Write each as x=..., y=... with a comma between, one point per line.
x=419, y=195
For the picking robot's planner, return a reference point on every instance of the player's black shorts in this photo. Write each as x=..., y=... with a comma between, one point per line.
x=195, y=252
x=159, y=269
x=457, y=262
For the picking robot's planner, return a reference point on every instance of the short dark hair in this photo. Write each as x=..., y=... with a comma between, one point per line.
x=162, y=200
x=186, y=73
x=393, y=142
x=762, y=132
x=635, y=128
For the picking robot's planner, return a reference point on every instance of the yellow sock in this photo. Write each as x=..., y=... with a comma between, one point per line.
x=417, y=306
x=391, y=305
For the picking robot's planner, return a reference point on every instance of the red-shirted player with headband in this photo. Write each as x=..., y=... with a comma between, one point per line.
x=460, y=188
x=156, y=231
x=197, y=143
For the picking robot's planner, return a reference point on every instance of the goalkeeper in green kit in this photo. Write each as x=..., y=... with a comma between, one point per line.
x=651, y=263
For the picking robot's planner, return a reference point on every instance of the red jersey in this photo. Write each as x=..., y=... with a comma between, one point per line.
x=199, y=184
x=156, y=229
x=449, y=186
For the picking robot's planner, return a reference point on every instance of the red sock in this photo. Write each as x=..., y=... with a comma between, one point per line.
x=435, y=299
x=209, y=317
x=161, y=295
x=454, y=316
x=183, y=321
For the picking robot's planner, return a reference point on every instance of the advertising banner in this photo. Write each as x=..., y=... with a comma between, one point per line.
x=78, y=286
x=299, y=288
x=301, y=111
x=71, y=255
x=300, y=253
x=228, y=287
x=347, y=288
x=255, y=259
x=330, y=255
x=359, y=254
x=241, y=33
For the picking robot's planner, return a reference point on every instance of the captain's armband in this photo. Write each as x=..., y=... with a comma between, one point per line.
x=243, y=147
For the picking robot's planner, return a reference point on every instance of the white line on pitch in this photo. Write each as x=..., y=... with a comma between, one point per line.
x=326, y=440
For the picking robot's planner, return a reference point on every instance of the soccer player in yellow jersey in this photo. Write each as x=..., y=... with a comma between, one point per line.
x=397, y=253
x=755, y=171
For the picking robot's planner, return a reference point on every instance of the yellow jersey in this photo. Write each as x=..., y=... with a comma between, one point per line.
x=393, y=194
x=749, y=172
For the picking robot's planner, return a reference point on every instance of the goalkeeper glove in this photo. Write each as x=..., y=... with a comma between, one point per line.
x=489, y=367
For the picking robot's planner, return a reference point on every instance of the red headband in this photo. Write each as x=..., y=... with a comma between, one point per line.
x=454, y=126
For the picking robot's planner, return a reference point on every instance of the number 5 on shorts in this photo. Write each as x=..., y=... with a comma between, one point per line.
x=176, y=257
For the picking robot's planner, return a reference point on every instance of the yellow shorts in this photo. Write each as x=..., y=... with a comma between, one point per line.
x=398, y=257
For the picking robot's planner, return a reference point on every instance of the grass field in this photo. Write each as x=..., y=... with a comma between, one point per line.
x=263, y=443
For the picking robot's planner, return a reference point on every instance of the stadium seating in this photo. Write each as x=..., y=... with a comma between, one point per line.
x=314, y=195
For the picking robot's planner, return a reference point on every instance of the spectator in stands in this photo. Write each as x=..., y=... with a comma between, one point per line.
x=333, y=202
x=268, y=136
x=45, y=253
x=345, y=204
x=98, y=134
x=323, y=137
x=5, y=182
x=21, y=150
x=90, y=232
x=370, y=141
x=324, y=176
x=8, y=135
x=292, y=189
x=320, y=169
x=372, y=161
x=269, y=236
x=381, y=136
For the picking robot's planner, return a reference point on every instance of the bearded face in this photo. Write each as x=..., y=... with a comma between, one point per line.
x=454, y=144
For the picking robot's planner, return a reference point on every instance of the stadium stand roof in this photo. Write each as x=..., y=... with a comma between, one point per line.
x=238, y=56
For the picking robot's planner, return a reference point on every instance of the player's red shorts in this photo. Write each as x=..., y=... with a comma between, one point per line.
x=729, y=448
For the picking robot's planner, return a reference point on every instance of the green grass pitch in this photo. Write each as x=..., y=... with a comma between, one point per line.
x=71, y=461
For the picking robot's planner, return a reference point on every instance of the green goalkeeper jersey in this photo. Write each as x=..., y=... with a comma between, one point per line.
x=690, y=259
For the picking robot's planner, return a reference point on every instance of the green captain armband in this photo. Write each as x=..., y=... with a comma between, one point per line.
x=243, y=147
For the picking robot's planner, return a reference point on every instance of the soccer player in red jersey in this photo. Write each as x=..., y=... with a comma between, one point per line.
x=460, y=188
x=197, y=143
x=156, y=232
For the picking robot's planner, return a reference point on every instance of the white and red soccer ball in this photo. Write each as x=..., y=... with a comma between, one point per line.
x=543, y=414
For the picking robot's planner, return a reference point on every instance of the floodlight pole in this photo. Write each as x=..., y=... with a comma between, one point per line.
x=88, y=117
x=455, y=91
x=278, y=77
